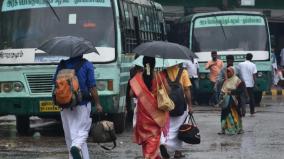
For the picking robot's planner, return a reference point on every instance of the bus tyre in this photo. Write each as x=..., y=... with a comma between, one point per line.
x=23, y=124
x=258, y=97
x=119, y=122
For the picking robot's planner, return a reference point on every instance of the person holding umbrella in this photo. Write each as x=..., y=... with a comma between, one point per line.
x=167, y=51
x=76, y=120
x=171, y=141
x=150, y=121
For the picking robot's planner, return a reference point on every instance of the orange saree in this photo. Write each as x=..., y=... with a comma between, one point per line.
x=150, y=121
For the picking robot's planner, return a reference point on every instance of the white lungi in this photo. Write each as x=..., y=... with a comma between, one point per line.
x=76, y=124
x=171, y=140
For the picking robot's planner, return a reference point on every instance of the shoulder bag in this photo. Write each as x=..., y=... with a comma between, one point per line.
x=164, y=101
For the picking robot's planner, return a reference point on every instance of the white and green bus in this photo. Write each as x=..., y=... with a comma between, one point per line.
x=230, y=32
x=114, y=26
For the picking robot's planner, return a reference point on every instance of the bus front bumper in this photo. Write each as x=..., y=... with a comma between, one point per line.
x=44, y=106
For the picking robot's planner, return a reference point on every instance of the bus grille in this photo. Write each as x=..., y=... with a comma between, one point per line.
x=40, y=83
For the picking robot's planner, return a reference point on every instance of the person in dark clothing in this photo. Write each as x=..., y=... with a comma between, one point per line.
x=76, y=121
x=128, y=102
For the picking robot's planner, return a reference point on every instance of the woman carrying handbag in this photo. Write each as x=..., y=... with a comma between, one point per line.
x=150, y=120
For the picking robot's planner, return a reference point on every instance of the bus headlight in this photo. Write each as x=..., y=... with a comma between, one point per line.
x=101, y=85
x=7, y=87
x=18, y=86
x=202, y=76
x=105, y=85
x=208, y=75
x=260, y=74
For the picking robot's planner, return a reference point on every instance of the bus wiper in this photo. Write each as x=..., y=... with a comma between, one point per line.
x=224, y=33
x=54, y=12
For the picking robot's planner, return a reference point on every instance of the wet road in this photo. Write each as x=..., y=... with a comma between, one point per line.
x=263, y=138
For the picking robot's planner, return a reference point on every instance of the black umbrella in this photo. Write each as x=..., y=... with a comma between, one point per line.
x=70, y=46
x=163, y=49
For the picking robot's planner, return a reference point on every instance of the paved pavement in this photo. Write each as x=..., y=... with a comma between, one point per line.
x=263, y=138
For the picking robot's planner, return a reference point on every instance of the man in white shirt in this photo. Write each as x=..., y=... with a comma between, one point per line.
x=248, y=71
x=192, y=67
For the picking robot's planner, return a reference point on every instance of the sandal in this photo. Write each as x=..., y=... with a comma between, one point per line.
x=222, y=132
x=178, y=154
x=164, y=152
x=241, y=131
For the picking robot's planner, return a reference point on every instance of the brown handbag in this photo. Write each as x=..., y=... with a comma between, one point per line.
x=164, y=101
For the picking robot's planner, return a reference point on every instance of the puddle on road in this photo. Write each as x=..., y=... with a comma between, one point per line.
x=229, y=146
x=224, y=146
x=8, y=130
x=37, y=144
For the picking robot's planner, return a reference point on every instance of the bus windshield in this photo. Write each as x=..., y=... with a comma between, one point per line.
x=28, y=24
x=230, y=33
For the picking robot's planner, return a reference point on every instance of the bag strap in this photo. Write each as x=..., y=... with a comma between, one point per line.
x=167, y=76
x=158, y=77
x=62, y=64
x=191, y=118
x=78, y=65
x=177, y=78
x=185, y=118
x=179, y=74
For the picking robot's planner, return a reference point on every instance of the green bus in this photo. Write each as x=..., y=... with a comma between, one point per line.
x=114, y=26
x=228, y=32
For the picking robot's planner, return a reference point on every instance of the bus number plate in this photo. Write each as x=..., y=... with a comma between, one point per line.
x=47, y=106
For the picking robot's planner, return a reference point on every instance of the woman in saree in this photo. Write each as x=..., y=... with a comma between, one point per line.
x=150, y=121
x=231, y=122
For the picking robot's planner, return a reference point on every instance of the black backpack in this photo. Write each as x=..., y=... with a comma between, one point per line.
x=177, y=95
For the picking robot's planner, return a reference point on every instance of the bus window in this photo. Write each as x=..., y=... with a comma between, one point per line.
x=29, y=26
x=141, y=20
x=247, y=33
x=130, y=11
x=137, y=32
x=134, y=10
x=127, y=18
